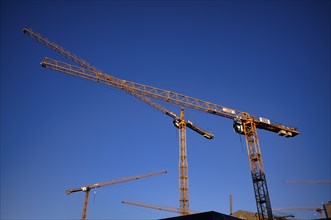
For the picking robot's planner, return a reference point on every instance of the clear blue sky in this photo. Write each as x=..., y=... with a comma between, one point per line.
x=268, y=58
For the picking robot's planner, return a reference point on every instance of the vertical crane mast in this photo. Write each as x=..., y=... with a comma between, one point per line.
x=257, y=169
x=86, y=197
x=184, y=206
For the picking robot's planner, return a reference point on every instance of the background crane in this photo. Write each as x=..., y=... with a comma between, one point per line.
x=163, y=208
x=87, y=188
x=157, y=207
x=307, y=181
x=315, y=209
x=244, y=123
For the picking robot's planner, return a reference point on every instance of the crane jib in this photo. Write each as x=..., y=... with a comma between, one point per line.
x=165, y=95
x=95, y=74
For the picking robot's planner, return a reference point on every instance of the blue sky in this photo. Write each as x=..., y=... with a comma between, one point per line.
x=268, y=58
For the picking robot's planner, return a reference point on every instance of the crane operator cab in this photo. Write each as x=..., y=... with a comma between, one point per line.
x=238, y=126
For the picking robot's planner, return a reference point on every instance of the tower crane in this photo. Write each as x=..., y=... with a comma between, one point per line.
x=87, y=188
x=163, y=208
x=243, y=123
x=157, y=207
x=179, y=122
x=307, y=181
x=315, y=209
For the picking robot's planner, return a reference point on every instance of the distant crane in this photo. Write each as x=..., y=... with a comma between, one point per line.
x=243, y=122
x=315, y=209
x=230, y=197
x=87, y=188
x=307, y=181
x=157, y=207
x=163, y=208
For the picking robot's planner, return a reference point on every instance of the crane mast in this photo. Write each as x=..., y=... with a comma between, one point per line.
x=86, y=189
x=184, y=206
x=181, y=124
x=257, y=169
x=244, y=123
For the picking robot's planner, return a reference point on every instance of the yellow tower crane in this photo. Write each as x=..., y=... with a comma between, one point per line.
x=243, y=122
x=179, y=122
x=87, y=188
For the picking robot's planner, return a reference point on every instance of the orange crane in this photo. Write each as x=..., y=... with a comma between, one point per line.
x=87, y=188
x=181, y=124
x=315, y=209
x=243, y=122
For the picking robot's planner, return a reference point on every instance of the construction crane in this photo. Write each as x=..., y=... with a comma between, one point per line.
x=243, y=122
x=157, y=207
x=230, y=198
x=163, y=208
x=315, y=209
x=180, y=123
x=307, y=181
x=87, y=188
